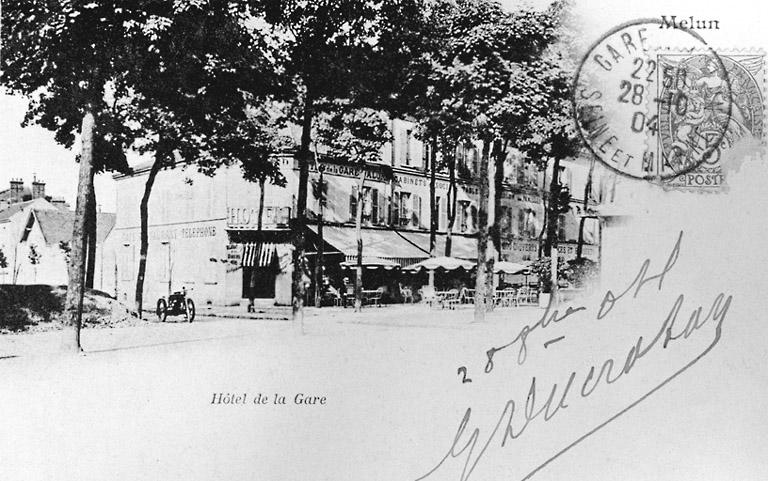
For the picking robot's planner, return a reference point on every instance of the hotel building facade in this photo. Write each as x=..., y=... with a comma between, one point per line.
x=204, y=236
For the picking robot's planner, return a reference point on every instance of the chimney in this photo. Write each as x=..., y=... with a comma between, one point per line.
x=38, y=188
x=17, y=190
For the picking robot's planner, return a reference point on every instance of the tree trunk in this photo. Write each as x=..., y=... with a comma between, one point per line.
x=262, y=182
x=144, y=234
x=433, y=207
x=451, y=206
x=491, y=252
x=554, y=208
x=359, y=233
x=90, y=270
x=319, y=261
x=544, y=224
x=482, y=236
x=74, y=301
x=259, y=224
x=301, y=211
x=499, y=157
x=16, y=263
x=585, y=205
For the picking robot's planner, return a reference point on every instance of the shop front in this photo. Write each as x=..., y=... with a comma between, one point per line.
x=259, y=255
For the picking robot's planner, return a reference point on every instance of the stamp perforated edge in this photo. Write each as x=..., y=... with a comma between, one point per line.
x=653, y=107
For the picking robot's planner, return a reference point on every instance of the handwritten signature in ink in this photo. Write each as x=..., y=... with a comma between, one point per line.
x=608, y=373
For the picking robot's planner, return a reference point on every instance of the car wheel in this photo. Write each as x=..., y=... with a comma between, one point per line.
x=190, y=310
x=162, y=310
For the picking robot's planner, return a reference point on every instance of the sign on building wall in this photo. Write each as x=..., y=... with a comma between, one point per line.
x=248, y=217
x=234, y=256
x=166, y=233
x=526, y=250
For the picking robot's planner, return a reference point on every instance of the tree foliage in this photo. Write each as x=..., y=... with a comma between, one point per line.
x=353, y=134
x=256, y=142
x=65, y=58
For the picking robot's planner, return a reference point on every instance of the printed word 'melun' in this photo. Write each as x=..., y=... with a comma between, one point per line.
x=688, y=23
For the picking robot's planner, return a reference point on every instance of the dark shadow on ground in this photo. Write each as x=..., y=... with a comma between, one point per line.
x=24, y=306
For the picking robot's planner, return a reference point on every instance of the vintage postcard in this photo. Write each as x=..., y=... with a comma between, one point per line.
x=396, y=240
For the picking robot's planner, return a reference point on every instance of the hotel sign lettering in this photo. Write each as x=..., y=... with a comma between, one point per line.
x=374, y=174
x=248, y=217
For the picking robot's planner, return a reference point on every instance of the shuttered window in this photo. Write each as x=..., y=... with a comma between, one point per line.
x=416, y=211
x=374, y=199
x=382, y=208
x=405, y=208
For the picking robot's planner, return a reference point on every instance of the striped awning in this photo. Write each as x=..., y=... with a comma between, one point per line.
x=258, y=254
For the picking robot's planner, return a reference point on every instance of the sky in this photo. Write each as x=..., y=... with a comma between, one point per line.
x=32, y=151
x=25, y=152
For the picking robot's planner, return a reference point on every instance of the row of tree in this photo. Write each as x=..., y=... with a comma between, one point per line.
x=211, y=82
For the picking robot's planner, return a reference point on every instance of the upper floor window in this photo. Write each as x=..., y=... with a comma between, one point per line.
x=520, y=172
x=408, y=142
x=438, y=213
x=464, y=216
x=373, y=206
x=416, y=217
x=426, y=155
x=404, y=208
x=526, y=223
x=466, y=160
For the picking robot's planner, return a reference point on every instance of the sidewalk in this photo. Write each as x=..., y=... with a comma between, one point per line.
x=219, y=323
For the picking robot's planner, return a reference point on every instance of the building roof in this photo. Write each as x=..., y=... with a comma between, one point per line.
x=56, y=225
x=13, y=209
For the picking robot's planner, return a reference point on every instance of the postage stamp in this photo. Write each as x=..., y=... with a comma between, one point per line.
x=706, y=108
x=623, y=97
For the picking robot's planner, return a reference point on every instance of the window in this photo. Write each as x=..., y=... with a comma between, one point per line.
x=367, y=206
x=438, y=213
x=472, y=221
x=372, y=198
x=408, y=139
x=394, y=213
x=426, y=154
x=526, y=223
x=405, y=208
x=520, y=172
x=463, y=217
x=373, y=205
x=462, y=161
x=416, y=217
x=561, y=227
x=382, y=208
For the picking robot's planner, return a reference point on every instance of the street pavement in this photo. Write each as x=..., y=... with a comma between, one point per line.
x=376, y=395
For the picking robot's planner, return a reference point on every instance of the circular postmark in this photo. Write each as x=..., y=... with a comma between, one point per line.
x=652, y=102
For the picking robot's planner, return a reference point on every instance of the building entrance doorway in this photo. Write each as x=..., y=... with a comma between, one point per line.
x=259, y=282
